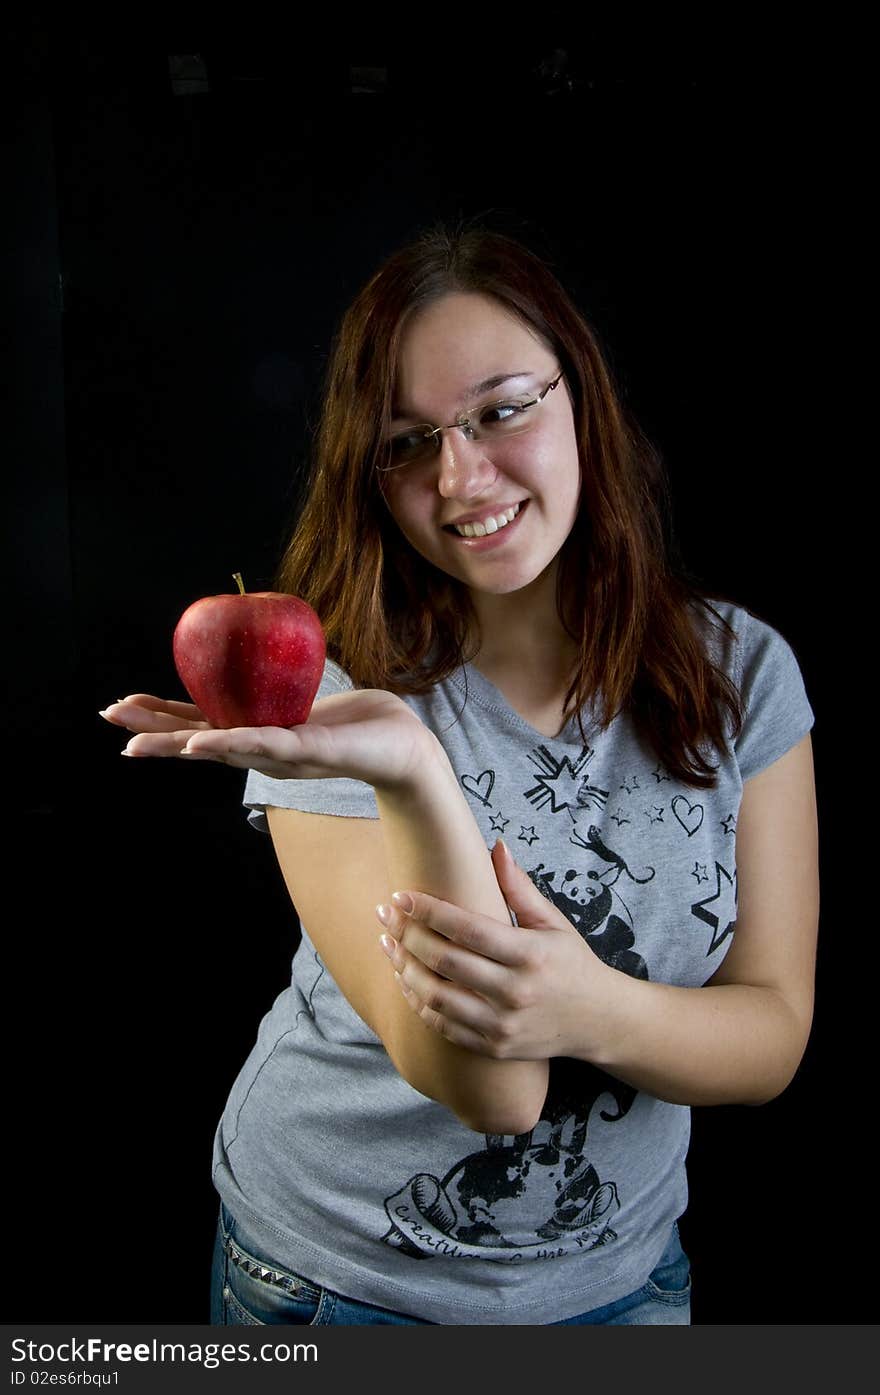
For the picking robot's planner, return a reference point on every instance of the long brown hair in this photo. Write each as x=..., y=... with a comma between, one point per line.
x=394, y=621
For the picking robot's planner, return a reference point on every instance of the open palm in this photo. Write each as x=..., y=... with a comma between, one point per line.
x=367, y=734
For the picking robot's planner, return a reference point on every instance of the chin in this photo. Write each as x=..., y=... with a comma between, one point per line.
x=510, y=585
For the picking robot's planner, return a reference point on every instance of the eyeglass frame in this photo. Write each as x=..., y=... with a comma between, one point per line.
x=464, y=422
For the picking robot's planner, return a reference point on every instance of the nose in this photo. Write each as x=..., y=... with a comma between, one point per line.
x=464, y=468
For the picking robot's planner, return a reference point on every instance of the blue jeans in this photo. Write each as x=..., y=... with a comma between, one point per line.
x=242, y=1296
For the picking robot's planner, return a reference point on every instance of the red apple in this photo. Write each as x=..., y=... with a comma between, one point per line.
x=252, y=659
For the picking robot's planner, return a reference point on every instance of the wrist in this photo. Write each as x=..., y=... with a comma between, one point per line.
x=425, y=770
x=605, y=1014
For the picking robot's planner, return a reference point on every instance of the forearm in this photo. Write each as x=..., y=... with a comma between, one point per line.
x=729, y=1044
x=432, y=844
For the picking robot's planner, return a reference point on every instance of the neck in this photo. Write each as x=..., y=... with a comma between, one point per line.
x=522, y=632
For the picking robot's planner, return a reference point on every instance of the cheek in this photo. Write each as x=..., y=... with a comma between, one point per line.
x=552, y=465
x=555, y=476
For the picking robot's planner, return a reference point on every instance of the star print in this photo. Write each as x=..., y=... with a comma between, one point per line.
x=499, y=823
x=527, y=835
x=562, y=783
x=630, y=787
x=700, y=872
x=729, y=824
x=658, y=811
x=619, y=819
x=659, y=775
x=722, y=915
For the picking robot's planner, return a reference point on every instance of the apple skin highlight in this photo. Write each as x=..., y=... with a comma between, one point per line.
x=254, y=659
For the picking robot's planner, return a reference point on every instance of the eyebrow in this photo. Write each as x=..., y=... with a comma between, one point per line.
x=397, y=414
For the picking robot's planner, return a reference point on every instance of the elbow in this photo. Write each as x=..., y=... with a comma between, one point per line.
x=505, y=1099
x=773, y=1091
x=507, y=1123
x=501, y=1119
x=511, y=1113
x=765, y=1099
x=788, y=1060
x=776, y=1087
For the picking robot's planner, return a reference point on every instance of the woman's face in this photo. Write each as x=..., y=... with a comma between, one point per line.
x=447, y=348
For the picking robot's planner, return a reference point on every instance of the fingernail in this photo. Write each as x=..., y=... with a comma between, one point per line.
x=126, y=752
x=388, y=945
x=403, y=901
x=384, y=914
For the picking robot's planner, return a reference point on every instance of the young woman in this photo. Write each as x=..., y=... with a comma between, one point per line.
x=472, y=1103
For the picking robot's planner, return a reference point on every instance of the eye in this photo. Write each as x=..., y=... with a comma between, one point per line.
x=407, y=444
x=501, y=414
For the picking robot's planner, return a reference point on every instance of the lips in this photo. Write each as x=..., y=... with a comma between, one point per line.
x=485, y=523
x=487, y=541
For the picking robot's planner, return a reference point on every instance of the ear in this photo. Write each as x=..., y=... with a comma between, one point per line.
x=530, y=907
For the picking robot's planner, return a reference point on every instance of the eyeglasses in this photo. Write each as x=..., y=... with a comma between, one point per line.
x=494, y=422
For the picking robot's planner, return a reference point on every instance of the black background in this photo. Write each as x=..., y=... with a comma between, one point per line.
x=179, y=264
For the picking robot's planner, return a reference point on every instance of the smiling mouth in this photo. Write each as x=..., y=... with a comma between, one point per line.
x=493, y=524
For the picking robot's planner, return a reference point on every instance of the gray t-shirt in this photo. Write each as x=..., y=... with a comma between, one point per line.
x=342, y=1172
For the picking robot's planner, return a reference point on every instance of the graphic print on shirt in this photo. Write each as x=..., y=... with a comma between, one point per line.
x=539, y=1195
x=564, y=787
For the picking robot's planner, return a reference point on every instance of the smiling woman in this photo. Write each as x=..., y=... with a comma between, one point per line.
x=486, y=1056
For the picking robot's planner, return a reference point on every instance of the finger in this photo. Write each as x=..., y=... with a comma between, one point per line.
x=528, y=904
x=187, y=710
x=136, y=717
x=449, y=961
x=240, y=747
x=279, y=752
x=158, y=744
x=284, y=753
x=452, y=1031
x=505, y=944
x=441, y=998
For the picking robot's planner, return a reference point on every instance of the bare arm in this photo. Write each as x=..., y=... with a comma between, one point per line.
x=740, y=1038
x=540, y=991
x=337, y=870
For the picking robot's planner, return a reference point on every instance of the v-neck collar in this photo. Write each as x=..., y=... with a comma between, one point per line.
x=484, y=691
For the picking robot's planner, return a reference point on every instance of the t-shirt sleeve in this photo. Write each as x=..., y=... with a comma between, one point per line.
x=345, y=797
x=777, y=710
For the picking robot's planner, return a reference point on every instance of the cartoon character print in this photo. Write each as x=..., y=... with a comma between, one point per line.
x=485, y=1205
x=538, y=1195
x=587, y=900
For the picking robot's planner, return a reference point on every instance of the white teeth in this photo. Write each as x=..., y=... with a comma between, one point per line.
x=489, y=525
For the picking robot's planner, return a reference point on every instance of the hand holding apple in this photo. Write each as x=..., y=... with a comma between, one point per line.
x=250, y=659
x=253, y=663
x=366, y=734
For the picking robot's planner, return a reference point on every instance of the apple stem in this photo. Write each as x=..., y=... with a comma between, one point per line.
x=236, y=576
